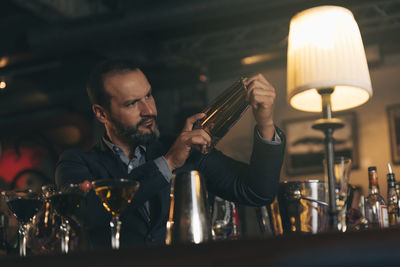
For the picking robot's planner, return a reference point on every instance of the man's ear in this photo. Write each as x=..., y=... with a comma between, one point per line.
x=100, y=113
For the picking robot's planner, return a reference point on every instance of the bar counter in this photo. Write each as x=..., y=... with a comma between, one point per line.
x=367, y=248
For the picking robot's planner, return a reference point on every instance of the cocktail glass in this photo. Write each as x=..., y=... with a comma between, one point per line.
x=24, y=205
x=115, y=196
x=67, y=202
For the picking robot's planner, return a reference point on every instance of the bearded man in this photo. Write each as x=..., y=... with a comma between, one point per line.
x=122, y=101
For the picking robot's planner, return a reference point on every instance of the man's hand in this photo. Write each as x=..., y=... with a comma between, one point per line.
x=180, y=150
x=261, y=97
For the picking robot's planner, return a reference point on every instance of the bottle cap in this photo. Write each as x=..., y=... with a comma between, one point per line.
x=372, y=168
x=391, y=179
x=373, y=175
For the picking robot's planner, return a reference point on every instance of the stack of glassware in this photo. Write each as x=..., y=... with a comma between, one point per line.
x=51, y=221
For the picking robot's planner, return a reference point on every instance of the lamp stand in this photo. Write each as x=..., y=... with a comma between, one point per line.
x=328, y=124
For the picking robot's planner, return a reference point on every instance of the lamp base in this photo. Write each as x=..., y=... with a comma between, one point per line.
x=325, y=124
x=328, y=125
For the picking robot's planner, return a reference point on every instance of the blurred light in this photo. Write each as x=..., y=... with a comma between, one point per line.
x=3, y=84
x=259, y=58
x=3, y=62
x=203, y=78
x=11, y=163
x=68, y=135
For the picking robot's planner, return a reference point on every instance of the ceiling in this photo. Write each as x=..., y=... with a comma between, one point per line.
x=47, y=47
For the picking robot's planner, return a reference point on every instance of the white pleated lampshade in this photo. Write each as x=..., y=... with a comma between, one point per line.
x=325, y=50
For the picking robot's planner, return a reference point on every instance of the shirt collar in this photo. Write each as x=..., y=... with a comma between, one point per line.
x=117, y=149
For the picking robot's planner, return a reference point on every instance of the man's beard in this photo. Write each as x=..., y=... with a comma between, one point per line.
x=133, y=134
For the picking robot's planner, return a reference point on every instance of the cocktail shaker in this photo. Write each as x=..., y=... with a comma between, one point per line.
x=189, y=217
x=224, y=111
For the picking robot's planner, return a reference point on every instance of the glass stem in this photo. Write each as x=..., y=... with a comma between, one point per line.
x=65, y=235
x=342, y=227
x=115, y=232
x=23, y=237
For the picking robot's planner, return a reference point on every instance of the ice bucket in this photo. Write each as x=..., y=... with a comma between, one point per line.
x=302, y=208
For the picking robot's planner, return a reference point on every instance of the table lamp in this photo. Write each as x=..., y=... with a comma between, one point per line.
x=326, y=71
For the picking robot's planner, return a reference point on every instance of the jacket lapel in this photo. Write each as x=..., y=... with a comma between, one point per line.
x=111, y=163
x=160, y=202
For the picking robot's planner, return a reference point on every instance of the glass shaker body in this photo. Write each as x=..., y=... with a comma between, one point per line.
x=224, y=111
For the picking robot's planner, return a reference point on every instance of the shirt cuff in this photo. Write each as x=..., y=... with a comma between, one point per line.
x=163, y=167
x=276, y=140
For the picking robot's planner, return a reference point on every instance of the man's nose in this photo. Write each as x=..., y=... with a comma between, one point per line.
x=146, y=109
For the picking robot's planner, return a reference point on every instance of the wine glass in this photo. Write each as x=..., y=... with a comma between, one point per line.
x=24, y=205
x=115, y=196
x=67, y=202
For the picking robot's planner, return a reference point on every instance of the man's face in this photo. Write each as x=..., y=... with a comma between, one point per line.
x=133, y=113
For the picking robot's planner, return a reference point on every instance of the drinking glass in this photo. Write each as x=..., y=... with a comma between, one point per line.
x=67, y=202
x=341, y=170
x=225, y=220
x=115, y=196
x=24, y=205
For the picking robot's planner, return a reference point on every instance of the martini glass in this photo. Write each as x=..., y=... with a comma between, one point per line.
x=115, y=196
x=24, y=205
x=67, y=202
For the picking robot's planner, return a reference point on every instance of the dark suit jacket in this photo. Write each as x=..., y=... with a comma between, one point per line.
x=251, y=184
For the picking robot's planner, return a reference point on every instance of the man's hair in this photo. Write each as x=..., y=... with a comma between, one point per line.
x=95, y=84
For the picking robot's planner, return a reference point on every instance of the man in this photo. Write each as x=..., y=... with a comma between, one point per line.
x=130, y=148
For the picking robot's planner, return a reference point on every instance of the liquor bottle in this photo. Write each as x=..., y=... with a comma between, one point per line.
x=397, y=187
x=375, y=207
x=392, y=199
x=236, y=232
x=3, y=234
